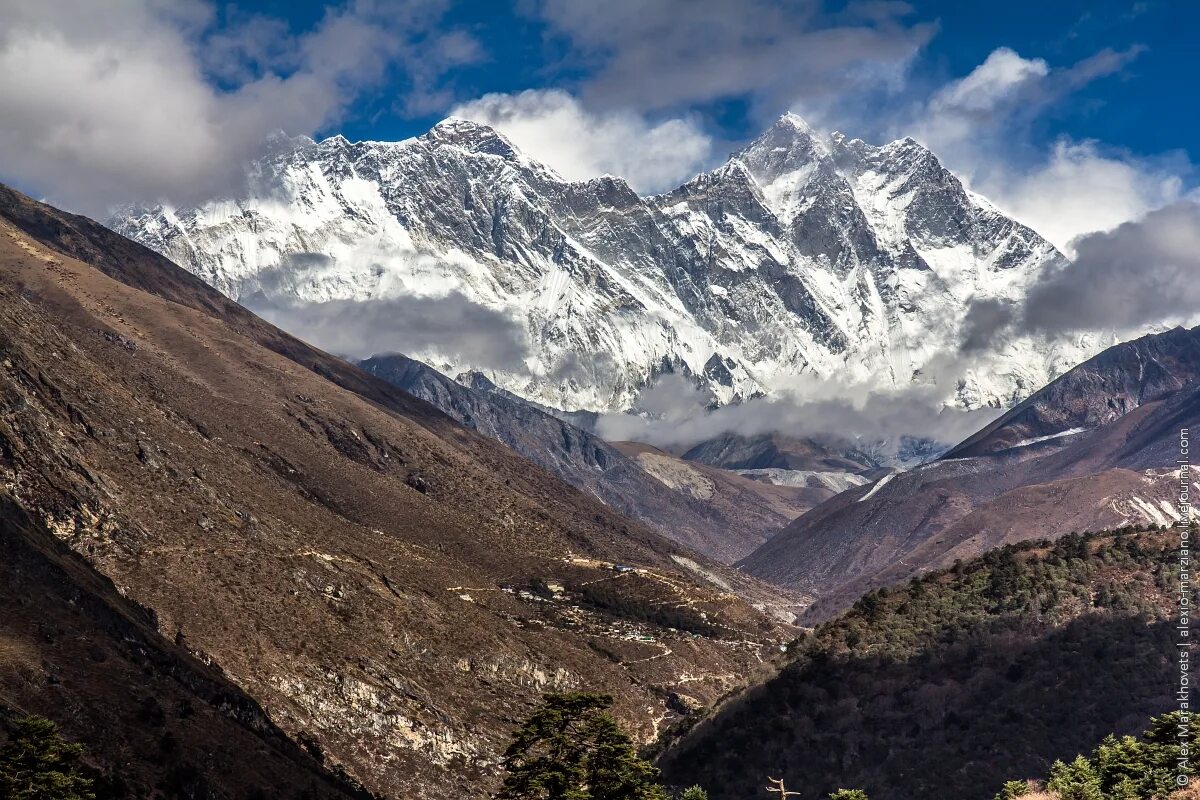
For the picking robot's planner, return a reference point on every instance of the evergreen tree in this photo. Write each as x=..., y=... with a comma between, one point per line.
x=1075, y=781
x=848, y=794
x=1161, y=751
x=694, y=793
x=570, y=748
x=38, y=764
x=1126, y=768
x=1121, y=765
x=1012, y=790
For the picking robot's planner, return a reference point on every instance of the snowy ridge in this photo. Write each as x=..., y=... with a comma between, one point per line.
x=803, y=255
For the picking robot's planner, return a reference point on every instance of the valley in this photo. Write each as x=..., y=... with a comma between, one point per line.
x=391, y=566
x=551, y=400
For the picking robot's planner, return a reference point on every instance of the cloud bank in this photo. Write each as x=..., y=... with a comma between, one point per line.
x=450, y=329
x=1141, y=274
x=146, y=100
x=673, y=412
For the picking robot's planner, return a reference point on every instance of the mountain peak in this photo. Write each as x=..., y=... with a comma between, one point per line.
x=473, y=136
x=796, y=122
x=751, y=257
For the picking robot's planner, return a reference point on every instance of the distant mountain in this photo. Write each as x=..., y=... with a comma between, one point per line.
x=1104, y=388
x=1094, y=450
x=952, y=683
x=722, y=516
x=805, y=254
x=280, y=561
x=778, y=451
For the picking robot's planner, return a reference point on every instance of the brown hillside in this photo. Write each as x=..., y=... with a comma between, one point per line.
x=379, y=579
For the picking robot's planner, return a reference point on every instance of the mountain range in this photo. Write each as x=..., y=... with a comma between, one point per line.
x=354, y=574
x=1096, y=449
x=805, y=255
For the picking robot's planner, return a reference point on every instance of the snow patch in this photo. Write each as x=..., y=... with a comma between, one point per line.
x=1036, y=439
x=878, y=485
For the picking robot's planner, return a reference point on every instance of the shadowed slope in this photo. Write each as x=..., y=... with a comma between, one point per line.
x=957, y=681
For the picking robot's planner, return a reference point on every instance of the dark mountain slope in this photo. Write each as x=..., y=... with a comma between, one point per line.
x=732, y=451
x=1117, y=474
x=378, y=578
x=954, y=682
x=724, y=531
x=153, y=718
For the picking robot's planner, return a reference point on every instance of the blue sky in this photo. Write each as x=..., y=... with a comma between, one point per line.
x=1144, y=108
x=1073, y=116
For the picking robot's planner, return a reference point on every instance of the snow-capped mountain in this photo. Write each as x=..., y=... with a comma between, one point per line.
x=804, y=255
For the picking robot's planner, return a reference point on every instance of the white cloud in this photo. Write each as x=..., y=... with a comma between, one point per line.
x=1080, y=190
x=554, y=128
x=119, y=102
x=991, y=83
x=673, y=412
x=961, y=108
x=669, y=53
x=979, y=125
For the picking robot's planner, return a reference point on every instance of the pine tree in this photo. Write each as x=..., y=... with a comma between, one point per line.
x=570, y=748
x=1075, y=781
x=1121, y=765
x=38, y=764
x=848, y=794
x=1012, y=790
x=694, y=793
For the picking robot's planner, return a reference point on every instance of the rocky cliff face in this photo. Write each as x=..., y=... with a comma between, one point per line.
x=805, y=254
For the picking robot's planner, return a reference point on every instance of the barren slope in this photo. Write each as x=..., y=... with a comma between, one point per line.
x=154, y=720
x=349, y=557
x=725, y=531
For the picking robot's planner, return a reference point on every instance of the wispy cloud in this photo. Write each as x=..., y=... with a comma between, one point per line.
x=671, y=53
x=578, y=143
